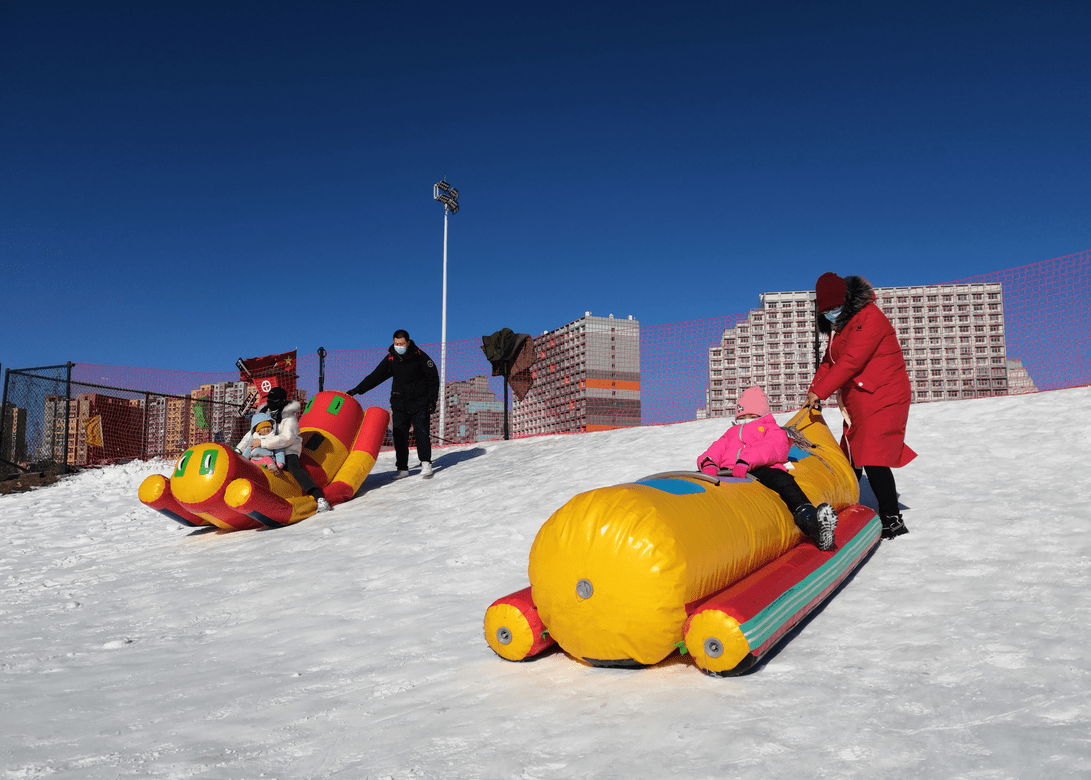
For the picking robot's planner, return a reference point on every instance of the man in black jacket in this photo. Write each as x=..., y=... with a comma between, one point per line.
x=413, y=397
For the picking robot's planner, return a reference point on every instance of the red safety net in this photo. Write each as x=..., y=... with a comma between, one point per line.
x=1047, y=319
x=475, y=409
x=1019, y=330
x=674, y=367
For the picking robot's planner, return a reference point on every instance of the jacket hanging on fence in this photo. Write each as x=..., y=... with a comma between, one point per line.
x=512, y=355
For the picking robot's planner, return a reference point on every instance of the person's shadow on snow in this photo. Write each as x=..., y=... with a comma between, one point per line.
x=454, y=458
x=442, y=463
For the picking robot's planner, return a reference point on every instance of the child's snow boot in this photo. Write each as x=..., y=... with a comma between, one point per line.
x=827, y=525
x=819, y=524
x=806, y=517
x=893, y=525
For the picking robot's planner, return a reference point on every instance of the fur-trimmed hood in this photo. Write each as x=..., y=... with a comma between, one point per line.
x=858, y=294
x=291, y=409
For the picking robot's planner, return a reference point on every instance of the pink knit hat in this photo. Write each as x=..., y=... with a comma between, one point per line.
x=753, y=401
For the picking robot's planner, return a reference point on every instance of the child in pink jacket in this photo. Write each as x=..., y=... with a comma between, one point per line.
x=758, y=446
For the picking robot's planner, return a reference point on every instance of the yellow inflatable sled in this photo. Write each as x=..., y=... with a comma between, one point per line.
x=620, y=574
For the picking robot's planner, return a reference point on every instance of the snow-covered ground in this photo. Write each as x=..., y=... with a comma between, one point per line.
x=351, y=645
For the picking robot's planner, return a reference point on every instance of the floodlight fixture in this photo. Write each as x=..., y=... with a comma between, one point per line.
x=447, y=195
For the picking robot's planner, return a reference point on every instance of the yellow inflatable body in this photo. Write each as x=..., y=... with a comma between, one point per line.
x=613, y=570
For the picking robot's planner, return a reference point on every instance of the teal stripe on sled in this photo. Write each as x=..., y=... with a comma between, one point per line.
x=766, y=623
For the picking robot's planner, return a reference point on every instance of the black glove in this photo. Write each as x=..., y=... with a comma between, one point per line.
x=351, y=392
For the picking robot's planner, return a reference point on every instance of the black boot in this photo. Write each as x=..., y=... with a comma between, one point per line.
x=819, y=524
x=806, y=518
x=827, y=525
x=893, y=525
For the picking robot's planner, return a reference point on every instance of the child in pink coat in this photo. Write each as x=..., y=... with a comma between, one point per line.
x=758, y=446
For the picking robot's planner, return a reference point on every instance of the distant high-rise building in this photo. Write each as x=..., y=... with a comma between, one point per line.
x=156, y=420
x=210, y=413
x=586, y=378
x=473, y=412
x=228, y=399
x=54, y=425
x=176, y=437
x=952, y=336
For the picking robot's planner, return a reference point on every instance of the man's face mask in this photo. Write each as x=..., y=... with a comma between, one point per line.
x=400, y=348
x=832, y=314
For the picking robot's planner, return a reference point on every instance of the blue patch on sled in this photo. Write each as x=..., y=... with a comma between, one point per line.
x=679, y=487
x=796, y=454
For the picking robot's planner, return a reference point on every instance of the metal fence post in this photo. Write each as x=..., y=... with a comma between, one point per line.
x=506, y=436
x=4, y=412
x=321, y=369
x=144, y=429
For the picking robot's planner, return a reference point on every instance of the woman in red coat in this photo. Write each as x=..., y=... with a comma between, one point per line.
x=864, y=362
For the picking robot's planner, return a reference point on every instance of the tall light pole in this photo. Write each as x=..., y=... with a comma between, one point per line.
x=448, y=196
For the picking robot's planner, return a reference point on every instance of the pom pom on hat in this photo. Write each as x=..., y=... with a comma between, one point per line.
x=753, y=401
x=829, y=292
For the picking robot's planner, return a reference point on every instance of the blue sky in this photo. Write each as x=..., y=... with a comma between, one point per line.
x=187, y=183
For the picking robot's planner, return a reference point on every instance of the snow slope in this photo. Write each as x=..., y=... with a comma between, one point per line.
x=351, y=645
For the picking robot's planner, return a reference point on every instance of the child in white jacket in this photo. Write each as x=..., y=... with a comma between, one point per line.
x=261, y=426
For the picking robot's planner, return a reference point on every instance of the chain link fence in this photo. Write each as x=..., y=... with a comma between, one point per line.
x=53, y=421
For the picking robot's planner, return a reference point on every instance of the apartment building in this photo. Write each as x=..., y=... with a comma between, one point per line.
x=54, y=424
x=952, y=337
x=473, y=412
x=228, y=399
x=586, y=378
x=214, y=412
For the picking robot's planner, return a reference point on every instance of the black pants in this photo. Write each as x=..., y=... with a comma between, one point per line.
x=783, y=484
x=295, y=468
x=881, y=479
x=420, y=421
